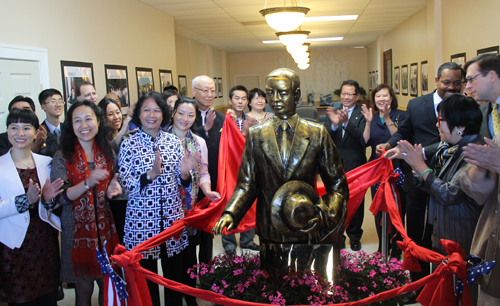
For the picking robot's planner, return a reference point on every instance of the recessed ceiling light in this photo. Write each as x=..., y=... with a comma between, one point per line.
x=308, y=40
x=331, y=18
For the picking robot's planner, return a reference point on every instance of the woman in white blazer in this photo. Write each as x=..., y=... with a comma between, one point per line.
x=29, y=248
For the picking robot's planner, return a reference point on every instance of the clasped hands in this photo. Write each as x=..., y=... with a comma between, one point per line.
x=337, y=115
x=49, y=190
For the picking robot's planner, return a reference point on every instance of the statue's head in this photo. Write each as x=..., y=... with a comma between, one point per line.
x=283, y=92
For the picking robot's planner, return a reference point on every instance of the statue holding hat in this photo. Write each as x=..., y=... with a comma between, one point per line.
x=279, y=166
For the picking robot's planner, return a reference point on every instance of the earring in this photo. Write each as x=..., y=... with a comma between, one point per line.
x=460, y=133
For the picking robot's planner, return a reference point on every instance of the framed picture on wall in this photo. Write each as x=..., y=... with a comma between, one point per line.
x=424, y=78
x=388, y=67
x=145, y=82
x=414, y=79
x=375, y=79
x=370, y=85
x=182, y=86
x=216, y=88
x=117, y=83
x=165, y=79
x=219, y=83
x=459, y=58
x=404, y=80
x=396, y=80
x=73, y=74
x=492, y=50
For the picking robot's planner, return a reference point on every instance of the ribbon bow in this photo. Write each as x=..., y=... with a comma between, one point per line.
x=106, y=268
x=478, y=266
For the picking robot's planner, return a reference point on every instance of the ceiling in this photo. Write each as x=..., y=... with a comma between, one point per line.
x=237, y=25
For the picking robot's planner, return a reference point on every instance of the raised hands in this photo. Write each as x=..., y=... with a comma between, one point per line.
x=114, y=187
x=51, y=190
x=33, y=192
x=367, y=113
x=209, y=120
x=188, y=163
x=99, y=174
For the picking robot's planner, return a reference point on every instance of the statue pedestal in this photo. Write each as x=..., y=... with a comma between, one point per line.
x=323, y=258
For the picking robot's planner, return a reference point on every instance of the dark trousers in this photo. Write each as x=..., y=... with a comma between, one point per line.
x=172, y=269
x=206, y=246
x=189, y=261
x=416, y=227
x=49, y=299
x=394, y=236
x=354, y=230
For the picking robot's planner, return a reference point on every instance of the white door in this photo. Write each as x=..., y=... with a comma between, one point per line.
x=19, y=77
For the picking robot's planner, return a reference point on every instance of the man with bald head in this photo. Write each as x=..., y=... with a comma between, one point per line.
x=208, y=124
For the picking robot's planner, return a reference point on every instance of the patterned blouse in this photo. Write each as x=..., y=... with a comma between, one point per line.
x=150, y=203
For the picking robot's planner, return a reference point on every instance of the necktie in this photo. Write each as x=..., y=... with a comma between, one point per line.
x=57, y=132
x=496, y=119
x=203, y=115
x=347, y=111
x=284, y=145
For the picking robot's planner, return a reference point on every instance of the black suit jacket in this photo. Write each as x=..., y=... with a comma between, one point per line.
x=486, y=109
x=212, y=141
x=4, y=143
x=350, y=148
x=418, y=127
x=51, y=144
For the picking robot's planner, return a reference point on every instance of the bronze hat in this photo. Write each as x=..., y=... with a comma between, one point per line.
x=292, y=207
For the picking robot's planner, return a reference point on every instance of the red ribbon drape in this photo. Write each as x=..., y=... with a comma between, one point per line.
x=439, y=285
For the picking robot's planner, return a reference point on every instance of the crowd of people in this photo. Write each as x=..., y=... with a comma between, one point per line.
x=104, y=176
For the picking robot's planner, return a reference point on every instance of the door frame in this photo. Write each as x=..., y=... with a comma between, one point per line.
x=13, y=52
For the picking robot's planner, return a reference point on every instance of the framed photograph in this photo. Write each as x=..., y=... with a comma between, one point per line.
x=492, y=50
x=459, y=58
x=216, y=88
x=424, y=78
x=73, y=74
x=117, y=83
x=396, y=80
x=145, y=82
x=370, y=85
x=165, y=79
x=404, y=80
x=182, y=86
x=414, y=79
x=375, y=79
x=219, y=85
x=388, y=67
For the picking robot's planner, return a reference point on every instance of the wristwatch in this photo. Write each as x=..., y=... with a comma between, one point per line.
x=85, y=184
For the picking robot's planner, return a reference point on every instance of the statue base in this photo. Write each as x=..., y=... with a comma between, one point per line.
x=322, y=258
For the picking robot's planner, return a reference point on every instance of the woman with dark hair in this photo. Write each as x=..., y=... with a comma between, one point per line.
x=257, y=105
x=378, y=129
x=182, y=120
x=451, y=213
x=113, y=113
x=170, y=97
x=85, y=164
x=29, y=248
x=152, y=167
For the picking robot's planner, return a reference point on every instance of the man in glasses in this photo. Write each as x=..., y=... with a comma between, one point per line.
x=346, y=125
x=208, y=124
x=482, y=88
x=420, y=128
x=53, y=104
x=480, y=180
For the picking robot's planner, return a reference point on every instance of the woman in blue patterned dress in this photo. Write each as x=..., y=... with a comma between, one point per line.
x=152, y=167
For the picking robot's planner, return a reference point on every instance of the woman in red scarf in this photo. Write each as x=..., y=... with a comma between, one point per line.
x=85, y=162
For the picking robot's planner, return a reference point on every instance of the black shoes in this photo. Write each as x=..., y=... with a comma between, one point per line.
x=231, y=252
x=355, y=245
x=252, y=247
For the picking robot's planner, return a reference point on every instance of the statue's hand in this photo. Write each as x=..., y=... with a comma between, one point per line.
x=226, y=221
x=313, y=224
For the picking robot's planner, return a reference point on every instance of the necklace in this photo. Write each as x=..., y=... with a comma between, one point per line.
x=22, y=163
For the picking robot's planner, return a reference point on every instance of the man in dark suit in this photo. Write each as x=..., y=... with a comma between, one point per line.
x=287, y=148
x=208, y=124
x=419, y=127
x=346, y=125
x=53, y=104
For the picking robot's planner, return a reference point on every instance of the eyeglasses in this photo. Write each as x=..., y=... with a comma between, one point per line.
x=440, y=119
x=55, y=102
x=471, y=79
x=206, y=91
x=348, y=94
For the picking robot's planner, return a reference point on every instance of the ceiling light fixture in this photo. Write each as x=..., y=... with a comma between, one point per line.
x=285, y=18
x=303, y=66
x=293, y=38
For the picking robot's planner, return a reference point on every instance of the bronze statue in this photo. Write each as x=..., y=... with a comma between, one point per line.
x=284, y=149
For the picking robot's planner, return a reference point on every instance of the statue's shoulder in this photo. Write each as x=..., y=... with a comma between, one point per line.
x=313, y=126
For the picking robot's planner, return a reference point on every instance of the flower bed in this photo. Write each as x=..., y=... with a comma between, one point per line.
x=361, y=275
